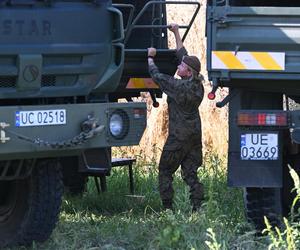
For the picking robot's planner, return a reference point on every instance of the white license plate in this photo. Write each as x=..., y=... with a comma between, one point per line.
x=40, y=117
x=259, y=146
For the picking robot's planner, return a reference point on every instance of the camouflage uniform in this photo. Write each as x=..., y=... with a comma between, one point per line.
x=184, y=145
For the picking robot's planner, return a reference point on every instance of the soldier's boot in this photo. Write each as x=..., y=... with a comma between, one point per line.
x=197, y=197
x=167, y=204
x=196, y=204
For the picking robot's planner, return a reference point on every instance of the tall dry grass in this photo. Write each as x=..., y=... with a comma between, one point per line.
x=214, y=120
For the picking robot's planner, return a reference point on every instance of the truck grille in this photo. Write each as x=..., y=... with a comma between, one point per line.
x=48, y=81
x=8, y=81
x=52, y=67
x=58, y=81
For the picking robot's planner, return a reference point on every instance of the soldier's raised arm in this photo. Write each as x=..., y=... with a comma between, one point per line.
x=168, y=84
x=181, y=51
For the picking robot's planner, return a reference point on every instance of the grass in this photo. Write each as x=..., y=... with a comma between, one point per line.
x=112, y=220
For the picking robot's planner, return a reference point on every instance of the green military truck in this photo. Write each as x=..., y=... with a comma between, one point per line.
x=63, y=67
x=253, y=49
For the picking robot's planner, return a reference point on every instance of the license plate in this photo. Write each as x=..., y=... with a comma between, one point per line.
x=259, y=146
x=40, y=117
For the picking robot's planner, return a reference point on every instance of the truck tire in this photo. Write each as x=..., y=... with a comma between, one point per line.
x=274, y=203
x=29, y=208
x=260, y=202
x=75, y=182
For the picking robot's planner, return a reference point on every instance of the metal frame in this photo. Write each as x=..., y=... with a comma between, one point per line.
x=21, y=170
x=131, y=11
x=133, y=25
x=220, y=2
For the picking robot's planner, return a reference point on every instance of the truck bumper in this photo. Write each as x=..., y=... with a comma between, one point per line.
x=35, y=136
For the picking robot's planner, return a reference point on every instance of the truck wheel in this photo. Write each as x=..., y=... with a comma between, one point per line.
x=29, y=208
x=75, y=183
x=274, y=203
x=260, y=202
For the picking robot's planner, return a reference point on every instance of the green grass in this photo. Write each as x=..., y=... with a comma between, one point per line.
x=113, y=220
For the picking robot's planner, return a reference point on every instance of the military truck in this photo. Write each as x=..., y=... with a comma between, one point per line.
x=253, y=50
x=63, y=67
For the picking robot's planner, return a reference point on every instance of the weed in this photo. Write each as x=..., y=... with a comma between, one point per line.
x=113, y=220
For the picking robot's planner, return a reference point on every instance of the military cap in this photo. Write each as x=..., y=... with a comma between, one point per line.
x=193, y=62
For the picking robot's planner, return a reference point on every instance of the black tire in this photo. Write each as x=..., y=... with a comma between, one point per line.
x=260, y=202
x=274, y=203
x=75, y=183
x=29, y=208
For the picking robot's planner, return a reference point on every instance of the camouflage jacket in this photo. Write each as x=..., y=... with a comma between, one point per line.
x=184, y=99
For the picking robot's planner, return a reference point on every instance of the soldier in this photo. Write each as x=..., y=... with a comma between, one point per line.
x=183, y=146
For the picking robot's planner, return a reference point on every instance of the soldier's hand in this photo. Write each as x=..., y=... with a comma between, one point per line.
x=173, y=27
x=152, y=52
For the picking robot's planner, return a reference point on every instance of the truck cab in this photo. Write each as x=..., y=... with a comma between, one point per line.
x=63, y=67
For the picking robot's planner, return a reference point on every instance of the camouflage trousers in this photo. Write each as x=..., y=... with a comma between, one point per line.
x=190, y=159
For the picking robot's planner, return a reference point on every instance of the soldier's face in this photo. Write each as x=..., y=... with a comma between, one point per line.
x=183, y=70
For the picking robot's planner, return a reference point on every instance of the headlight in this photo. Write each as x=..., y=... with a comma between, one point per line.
x=116, y=125
x=119, y=124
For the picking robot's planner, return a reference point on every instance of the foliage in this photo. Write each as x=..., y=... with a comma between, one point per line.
x=116, y=220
